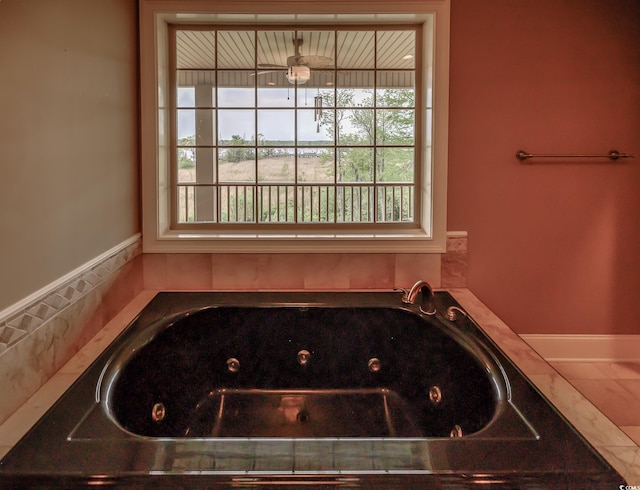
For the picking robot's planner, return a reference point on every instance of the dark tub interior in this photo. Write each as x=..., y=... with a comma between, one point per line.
x=301, y=372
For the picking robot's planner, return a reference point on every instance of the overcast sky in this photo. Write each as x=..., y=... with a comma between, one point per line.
x=273, y=124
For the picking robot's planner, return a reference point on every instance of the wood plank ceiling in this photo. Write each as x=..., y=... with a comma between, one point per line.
x=266, y=50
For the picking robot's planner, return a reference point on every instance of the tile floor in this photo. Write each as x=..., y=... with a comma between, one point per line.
x=613, y=387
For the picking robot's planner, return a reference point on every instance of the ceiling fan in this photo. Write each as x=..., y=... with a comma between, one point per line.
x=298, y=66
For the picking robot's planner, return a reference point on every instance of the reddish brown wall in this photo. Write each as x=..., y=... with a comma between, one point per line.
x=555, y=247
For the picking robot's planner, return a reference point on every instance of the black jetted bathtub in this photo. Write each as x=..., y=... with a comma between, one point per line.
x=288, y=390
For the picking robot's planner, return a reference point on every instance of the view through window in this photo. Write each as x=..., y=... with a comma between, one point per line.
x=305, y=127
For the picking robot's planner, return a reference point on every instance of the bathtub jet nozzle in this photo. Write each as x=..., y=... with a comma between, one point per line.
x=303, y=357
x=233, y=365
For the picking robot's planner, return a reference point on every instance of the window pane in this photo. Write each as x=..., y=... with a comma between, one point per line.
x=186, y=165
x=355, y=89
x=276, y=203
x=205, y=165
x=395, y=49
x=395, y=127
x=196, y=165
x=316, y=165
x=395, y=89
x=319, y=86
x=195, y=49
x=237, y=165
x=236, y=97
x=276, y=165
x=186, y=207
x=315, y=127
x=236, y=127
x=317, y=49
x=274, y=48
x=236, y=203
x=236, y=89
x=316, y=203
x=205, y=127
x=355, y=203
x=276, y=127
x=186, y=97
x=274, y=96
x=356, y=49
x=394, y=203
x=195, y=127
x=196, y=88
x=395, y=165
x=186, y=126
x=236, y=49
x=355, y=165
x=355, y=127
x=205, y=204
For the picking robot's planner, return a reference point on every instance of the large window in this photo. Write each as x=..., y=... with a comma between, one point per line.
x=296, y=126
x=323, y=130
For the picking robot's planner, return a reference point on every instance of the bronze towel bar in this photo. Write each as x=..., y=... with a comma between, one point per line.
x=612, y=155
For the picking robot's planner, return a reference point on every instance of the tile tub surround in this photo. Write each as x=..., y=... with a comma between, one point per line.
x=300, y=272
x=287, y=272
x=19, y=321
x=618, y=448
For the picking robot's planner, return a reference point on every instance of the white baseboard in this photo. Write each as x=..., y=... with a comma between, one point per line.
x=560, y=347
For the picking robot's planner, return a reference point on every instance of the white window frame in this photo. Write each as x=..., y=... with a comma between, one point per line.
x=155, y=18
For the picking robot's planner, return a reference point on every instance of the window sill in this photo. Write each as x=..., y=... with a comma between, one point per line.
x=191, y=242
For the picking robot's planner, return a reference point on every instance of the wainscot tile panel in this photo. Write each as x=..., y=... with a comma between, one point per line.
x=39, y=338
x=252, y=272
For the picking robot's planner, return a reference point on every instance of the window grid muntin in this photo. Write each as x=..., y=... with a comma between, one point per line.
x=378, y=190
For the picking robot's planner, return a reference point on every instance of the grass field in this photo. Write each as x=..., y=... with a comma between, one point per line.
x=280, y=169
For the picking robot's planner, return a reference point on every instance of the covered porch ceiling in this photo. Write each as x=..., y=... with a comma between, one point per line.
x=249, y=57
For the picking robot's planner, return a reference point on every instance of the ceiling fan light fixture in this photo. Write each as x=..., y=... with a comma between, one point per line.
x=298, y=73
